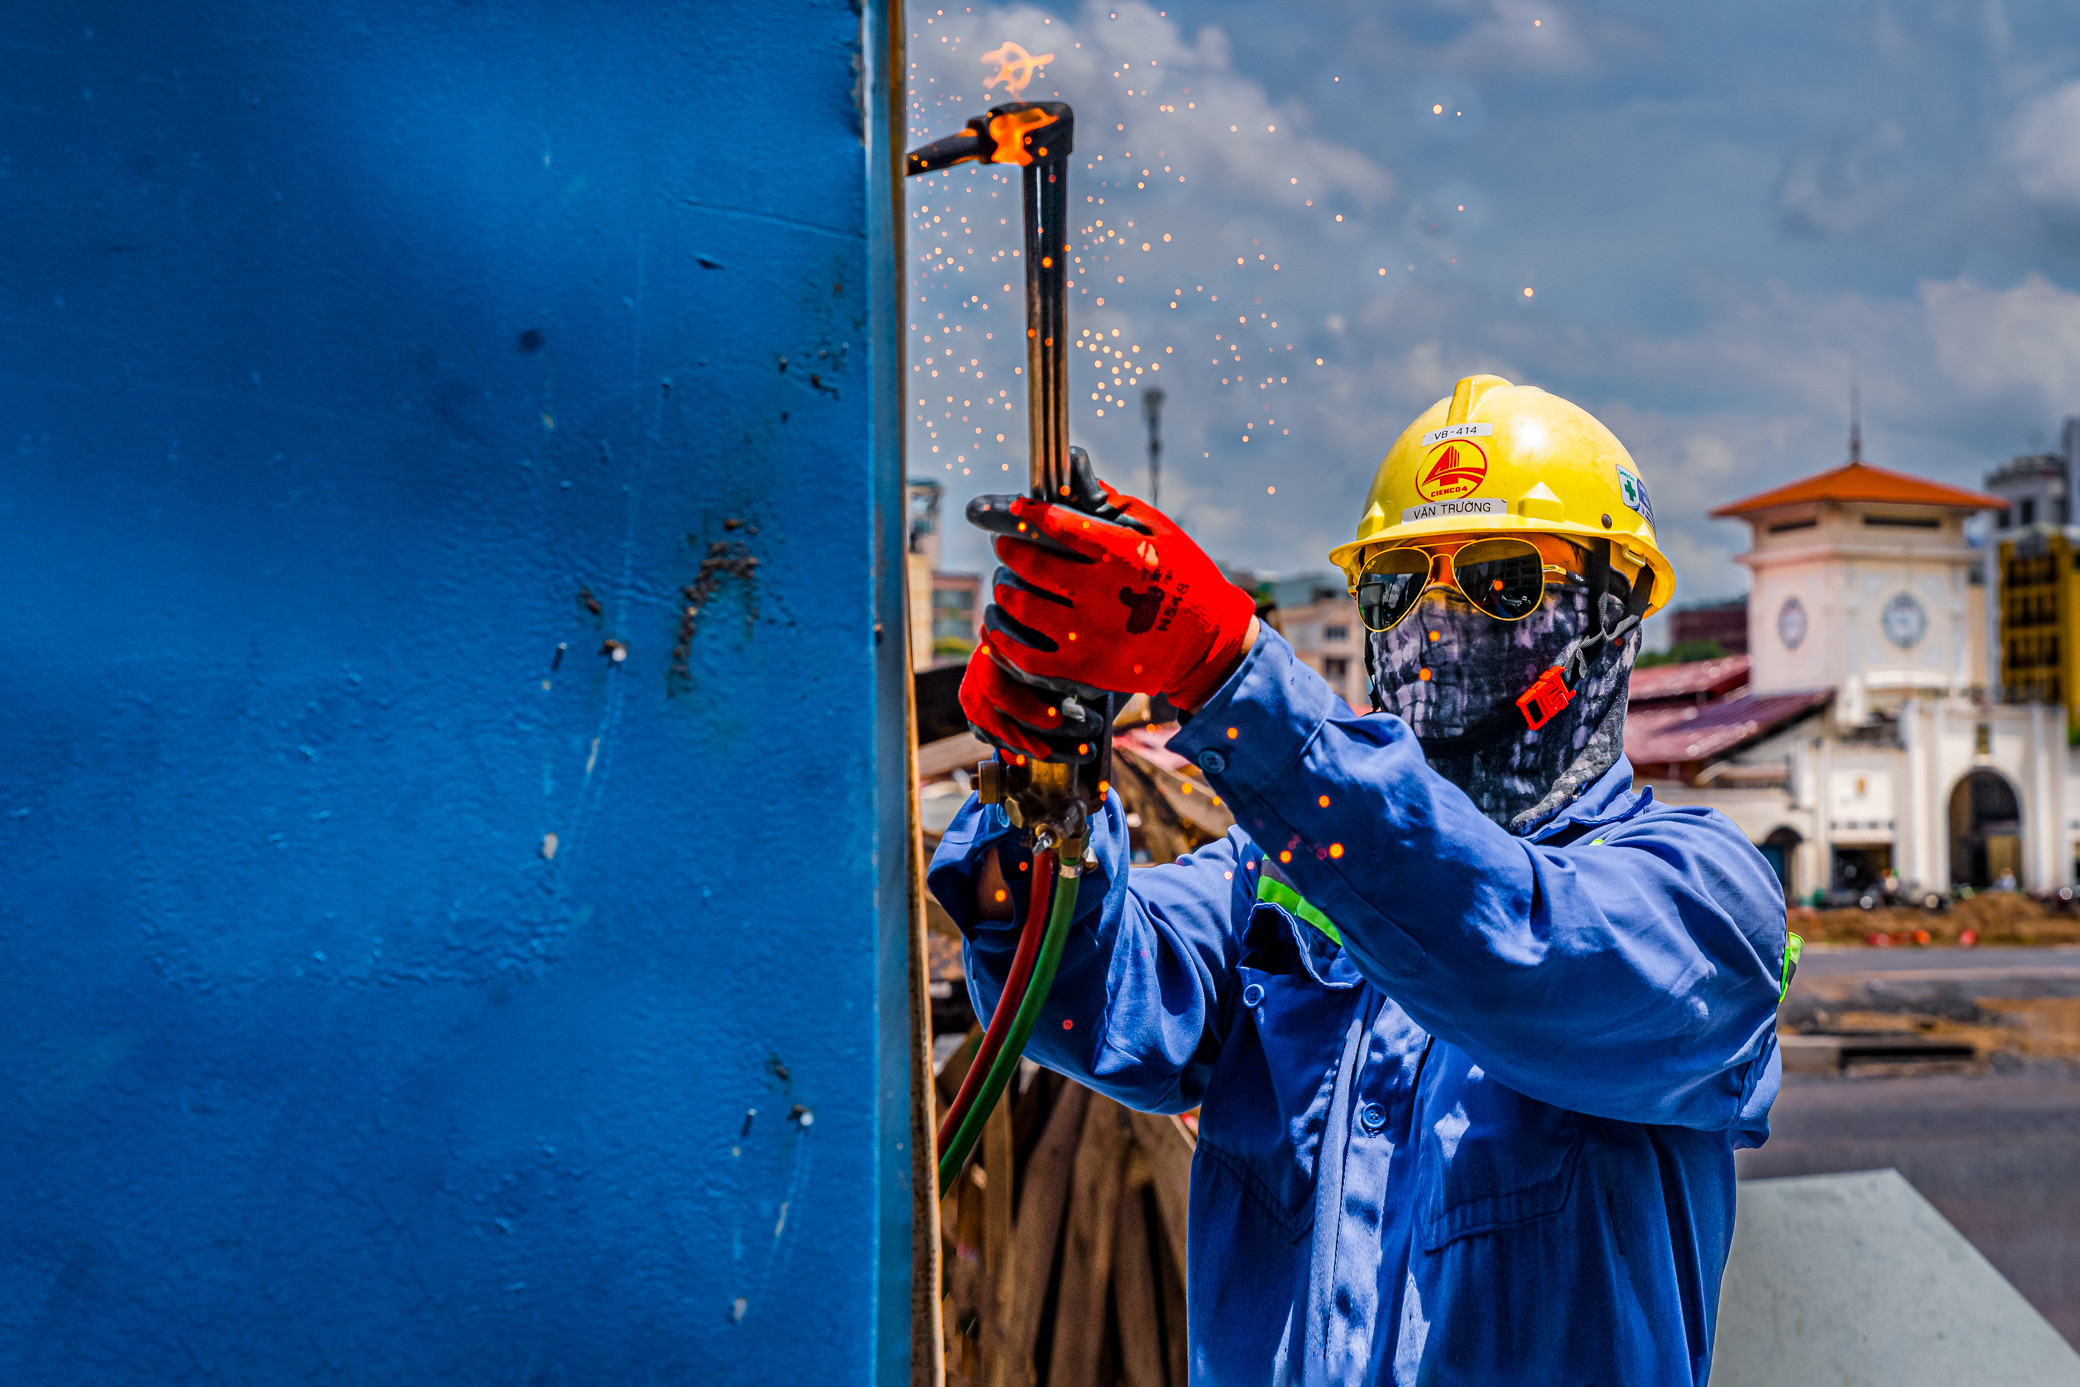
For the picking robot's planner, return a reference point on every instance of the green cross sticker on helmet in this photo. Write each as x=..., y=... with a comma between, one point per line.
x=1635, y=493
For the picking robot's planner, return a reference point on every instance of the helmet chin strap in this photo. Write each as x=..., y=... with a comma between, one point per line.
x=1553, y=690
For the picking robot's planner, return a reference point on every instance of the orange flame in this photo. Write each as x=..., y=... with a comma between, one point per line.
x=1014, y=67
x=1010, y=131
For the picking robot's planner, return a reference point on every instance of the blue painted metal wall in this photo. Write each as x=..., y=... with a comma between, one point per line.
x=357, y=360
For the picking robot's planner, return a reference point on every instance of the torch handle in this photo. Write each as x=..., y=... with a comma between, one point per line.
x=1047, y=325
x=1039, y=136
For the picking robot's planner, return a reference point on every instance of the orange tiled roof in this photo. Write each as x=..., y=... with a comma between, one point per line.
x=1859, y=481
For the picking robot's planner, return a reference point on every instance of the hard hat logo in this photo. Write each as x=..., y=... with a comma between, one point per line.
x=1452, y=470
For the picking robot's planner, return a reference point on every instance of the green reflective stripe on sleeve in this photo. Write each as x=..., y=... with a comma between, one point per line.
x=1278, y=893
x=1793, y=947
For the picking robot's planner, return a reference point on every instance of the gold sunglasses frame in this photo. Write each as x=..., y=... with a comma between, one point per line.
x=1447, y=557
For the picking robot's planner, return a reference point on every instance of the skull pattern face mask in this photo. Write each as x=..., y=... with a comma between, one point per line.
x=1448, y=668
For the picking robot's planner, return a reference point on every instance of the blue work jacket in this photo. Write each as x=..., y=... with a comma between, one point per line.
x=1488, y=1136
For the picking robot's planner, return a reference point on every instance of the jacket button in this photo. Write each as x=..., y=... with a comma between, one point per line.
x=1212, y=762
x=1372, y=1117
x=1253, y=994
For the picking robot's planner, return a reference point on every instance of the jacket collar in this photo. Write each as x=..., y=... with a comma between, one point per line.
x=1609, y=799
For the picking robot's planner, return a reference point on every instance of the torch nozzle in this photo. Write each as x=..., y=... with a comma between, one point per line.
x=972, y=145
x=1025, y=132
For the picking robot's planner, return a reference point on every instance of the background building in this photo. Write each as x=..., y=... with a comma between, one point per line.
x=2035, y=562
x=1316, y=615
x=1724, y=624
x=1863, y=582
x=945, y=608
x=1857, y=740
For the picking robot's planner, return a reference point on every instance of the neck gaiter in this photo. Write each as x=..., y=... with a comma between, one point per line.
x=1476, y=666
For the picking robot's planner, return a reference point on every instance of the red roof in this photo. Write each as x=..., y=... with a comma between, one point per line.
x=1691, y=681
x=1698, y=732
x=1859, y=481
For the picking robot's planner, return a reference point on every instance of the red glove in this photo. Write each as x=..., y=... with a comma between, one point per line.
x=1046, y=724
x=1120, y=599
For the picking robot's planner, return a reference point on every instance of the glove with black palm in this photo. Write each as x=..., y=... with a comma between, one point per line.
x=1097, y=592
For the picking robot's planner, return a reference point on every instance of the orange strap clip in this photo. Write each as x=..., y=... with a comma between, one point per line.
x=1544, y=698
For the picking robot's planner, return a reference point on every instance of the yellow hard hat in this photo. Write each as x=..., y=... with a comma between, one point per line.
x=1498, y=458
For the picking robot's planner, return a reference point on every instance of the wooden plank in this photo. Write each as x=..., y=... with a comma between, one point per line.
x=999, y=1160
x=1160, y=833
x=1192, y=800
x=1034, y=1236
x=1079, y=1317
x=1029, y=1117
x=966, y=1290
x=1134, y=1295
x=959, y=752
x=949, y=1355
x=948, y=1084
x=1177, y=1349
x=1168, y=1150
x=927, y=1334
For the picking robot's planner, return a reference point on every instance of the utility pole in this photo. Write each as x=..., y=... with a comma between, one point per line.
x=1152, y=410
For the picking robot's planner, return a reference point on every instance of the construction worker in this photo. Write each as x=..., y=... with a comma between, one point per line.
x=1474, y=1026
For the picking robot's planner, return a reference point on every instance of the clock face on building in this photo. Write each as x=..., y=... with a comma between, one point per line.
x=1905, y=621
x=1791, y=623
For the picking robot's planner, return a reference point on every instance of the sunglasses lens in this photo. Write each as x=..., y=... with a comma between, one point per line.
x=1503, y=577
x=1389, y=586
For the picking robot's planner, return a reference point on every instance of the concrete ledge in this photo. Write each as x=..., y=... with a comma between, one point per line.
x=1856, y=1280
x=1828, y=1054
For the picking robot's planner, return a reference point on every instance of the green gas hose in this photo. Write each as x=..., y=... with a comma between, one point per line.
x=1061, y=909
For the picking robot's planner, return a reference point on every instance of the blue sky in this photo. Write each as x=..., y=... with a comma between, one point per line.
x=1716, y=208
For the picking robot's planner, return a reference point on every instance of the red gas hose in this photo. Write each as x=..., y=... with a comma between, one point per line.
x=1007, y=1002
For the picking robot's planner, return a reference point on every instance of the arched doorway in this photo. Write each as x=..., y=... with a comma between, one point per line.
x=1985, y=830
x=1779, y=850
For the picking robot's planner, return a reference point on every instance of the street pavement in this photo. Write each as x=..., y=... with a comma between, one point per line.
x=1836, y=960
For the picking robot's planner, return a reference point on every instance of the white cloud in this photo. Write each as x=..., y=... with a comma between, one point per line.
x=1727, y=385
x=2020, y=344
x=1540, y=36
x=2043, y=147
x=1842, y=186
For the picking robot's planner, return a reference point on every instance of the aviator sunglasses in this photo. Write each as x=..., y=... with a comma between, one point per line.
x=1502, y=578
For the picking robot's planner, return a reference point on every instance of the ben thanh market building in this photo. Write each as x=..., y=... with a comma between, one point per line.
x=1862, y=735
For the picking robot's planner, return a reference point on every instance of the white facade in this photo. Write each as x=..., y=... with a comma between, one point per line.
x=1873, y=601
x=1877, y=602
x=1888, y=786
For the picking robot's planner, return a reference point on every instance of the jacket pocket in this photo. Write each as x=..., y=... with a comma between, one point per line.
x=1267, y=1101
x=1492, y=1160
